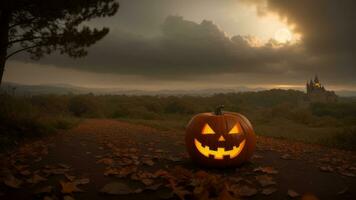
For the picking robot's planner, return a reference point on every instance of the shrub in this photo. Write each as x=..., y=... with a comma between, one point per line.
x=18, y=120
x=345, y=139
x=121, y=112
x=84, y=106
x=179, y=106
x=337, y=110
x=303, y=116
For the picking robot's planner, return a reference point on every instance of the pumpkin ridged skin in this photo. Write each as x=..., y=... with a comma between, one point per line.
x=221, y=124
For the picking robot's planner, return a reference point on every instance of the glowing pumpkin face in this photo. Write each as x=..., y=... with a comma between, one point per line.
x=220, y=139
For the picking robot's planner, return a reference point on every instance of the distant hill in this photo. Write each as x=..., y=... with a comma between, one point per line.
x=62, y=89
x=20, y=89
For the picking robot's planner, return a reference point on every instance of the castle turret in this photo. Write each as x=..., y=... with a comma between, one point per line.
x=317, y=92
x=316, y=79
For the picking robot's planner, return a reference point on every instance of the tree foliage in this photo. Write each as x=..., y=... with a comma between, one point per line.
x=43, y=26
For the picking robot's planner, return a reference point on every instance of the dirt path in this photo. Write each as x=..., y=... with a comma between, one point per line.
x=108, y=159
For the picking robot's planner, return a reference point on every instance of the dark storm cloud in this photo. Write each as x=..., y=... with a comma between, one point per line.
x=328, y=29
x=183, y=48
x=327, y=26
x=143, y=43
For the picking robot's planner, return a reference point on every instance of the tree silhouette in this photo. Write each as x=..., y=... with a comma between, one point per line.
x=40, y=27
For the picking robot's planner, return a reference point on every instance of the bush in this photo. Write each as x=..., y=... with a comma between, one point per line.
x=20, y=118
x=303, y=116
x=345, y=139
x=178, y=106
x=121, y=112
x=336, y=110
x=84, y=106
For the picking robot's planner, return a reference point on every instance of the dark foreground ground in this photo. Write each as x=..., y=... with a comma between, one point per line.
x=108, y=159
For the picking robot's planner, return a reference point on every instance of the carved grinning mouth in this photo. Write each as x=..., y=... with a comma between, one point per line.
x=220, y=152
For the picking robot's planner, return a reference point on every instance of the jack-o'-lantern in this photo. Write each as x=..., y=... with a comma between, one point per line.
x=220, y=139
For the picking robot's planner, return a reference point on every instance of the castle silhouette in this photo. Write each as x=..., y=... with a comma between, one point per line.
x=316, y=92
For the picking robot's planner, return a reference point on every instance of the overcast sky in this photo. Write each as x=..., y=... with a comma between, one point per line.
x=190, y=44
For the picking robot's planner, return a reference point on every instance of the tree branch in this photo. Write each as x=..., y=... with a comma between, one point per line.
x=28, y=21
x=20, y=50
x=23, y=39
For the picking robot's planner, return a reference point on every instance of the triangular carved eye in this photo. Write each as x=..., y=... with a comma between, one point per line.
x=207, y=130
x=236, y=129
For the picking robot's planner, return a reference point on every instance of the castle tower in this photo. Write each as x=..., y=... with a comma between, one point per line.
x=317, y=84
x=317, y=92
x=316, y=79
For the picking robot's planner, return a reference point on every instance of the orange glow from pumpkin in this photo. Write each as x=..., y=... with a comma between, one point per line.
x=221, y=152
x=236, y=129
x=207, y=130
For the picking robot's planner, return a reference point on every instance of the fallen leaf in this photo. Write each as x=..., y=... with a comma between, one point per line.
x=292, y=193
x=36, y=179
x=246, y=191
x=236, y=179
x=55, y=171
x=12, y=181
x=119, y=188
x=265, y=180
x=147, y=161
x=81, y=181
x=120, y=172
x=20, y=167
x=161, y=173
x=343, y=191
x=106, y=161
x=201, y=174
x=69, y=187
x=64, y=166
x=111, y=171
x=154, y=187
x=286, y=156
x=159, y=151
x=268, y=191
x=349, y=174
x=180, y=192
x=69, y=177
x=267, y=170
x=326, y=168
x=147, y=181
x=25, y=172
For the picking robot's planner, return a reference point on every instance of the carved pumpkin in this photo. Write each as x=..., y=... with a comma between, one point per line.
x=220, y=139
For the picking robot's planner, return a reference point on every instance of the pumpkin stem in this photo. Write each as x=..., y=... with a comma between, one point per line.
x=218, y=110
